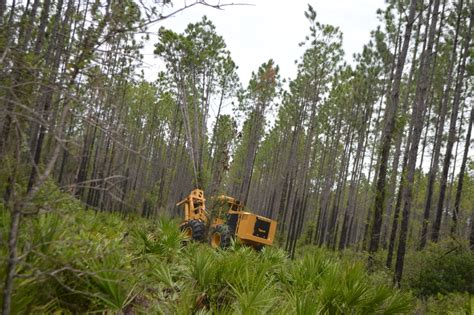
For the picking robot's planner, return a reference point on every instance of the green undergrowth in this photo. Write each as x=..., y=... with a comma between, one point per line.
x=83, y=261
x=77, y=261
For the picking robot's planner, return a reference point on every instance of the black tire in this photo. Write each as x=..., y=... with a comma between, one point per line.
x=259, y=247
x=197, y=229
x=220, y=236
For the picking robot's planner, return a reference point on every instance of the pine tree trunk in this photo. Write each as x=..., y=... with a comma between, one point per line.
x=390, y=118
x=424, y=83
x=439, y=137
x=453, y=171
x=457, y=203
x=471, y=236
x=396, y=159
x=354, y=183
x=452, y=131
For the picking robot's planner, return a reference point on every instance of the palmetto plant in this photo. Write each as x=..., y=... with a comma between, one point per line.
x=203, y=270
x=83, y=261
x=254, y=293
x=164, y=239
x=301, y=303
x=114, y=285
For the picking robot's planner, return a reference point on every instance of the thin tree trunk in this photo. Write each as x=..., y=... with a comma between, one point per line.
x=453, y=171
x=452, y=131
x=12, y=259
x=471, y=236
x=18, y=208
x=417, y=123
x=439, y=136
x=457, y=203
x=390, y=117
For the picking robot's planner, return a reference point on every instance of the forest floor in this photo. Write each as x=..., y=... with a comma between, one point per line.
x=78, y=261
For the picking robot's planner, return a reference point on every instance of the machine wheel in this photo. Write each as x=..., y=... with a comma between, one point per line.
x=259, y=247
x=220, y=236
x=194, y=230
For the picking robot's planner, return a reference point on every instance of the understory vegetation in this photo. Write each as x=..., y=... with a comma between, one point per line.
x=75, y=261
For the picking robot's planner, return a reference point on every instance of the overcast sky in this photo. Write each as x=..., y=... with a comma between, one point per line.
x=273, y=29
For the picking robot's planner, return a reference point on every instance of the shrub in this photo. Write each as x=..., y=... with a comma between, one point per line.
x=449, y=304
x=442, y=268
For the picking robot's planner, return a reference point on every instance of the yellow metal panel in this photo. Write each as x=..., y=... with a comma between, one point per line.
x=246, y=226
x=194, y=206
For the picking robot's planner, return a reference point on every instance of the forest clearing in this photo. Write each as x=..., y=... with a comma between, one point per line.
x=347, y=188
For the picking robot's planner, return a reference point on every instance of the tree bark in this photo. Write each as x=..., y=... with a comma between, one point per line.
x=452, y=131
x=390, y=118
x=424, y=83
x=439, y=136
x=457, y=202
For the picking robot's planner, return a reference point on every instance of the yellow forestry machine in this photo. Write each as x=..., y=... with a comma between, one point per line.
x=228, y=222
